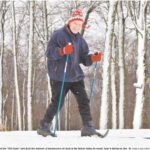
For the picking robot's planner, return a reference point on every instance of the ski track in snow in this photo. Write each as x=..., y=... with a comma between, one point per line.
x=125, y=138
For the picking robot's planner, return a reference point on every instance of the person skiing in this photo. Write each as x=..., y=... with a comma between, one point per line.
x=56, y=52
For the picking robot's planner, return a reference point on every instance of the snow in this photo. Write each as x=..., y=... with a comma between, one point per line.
x=125, y=139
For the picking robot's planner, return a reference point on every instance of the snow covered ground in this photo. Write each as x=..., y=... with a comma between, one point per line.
x=116, y=139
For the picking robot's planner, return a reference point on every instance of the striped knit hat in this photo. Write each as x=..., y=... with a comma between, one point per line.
x=75, y=15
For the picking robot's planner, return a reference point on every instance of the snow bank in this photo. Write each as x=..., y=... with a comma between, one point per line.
x=116, y=139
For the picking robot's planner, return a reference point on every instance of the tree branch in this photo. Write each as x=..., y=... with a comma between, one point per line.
x=134, y=21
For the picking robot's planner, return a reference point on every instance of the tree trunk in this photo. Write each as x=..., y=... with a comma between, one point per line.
x=1, y=77
x=15, y=69
x=30, y=65
x=45, y=47
x=121, y=66
x=1, y=60
x=113, y=85
x=23, y=105
x=66, y=111
x=106, y=65
x=86, y=19
x=12, y=112
x=140, y=72
x=4, y=114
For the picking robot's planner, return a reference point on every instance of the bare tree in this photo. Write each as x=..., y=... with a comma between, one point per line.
x=139, y=20
x=45, y=47
x=24, y=108
x=30, y=65
x=12, y=112
x=91, y=8
x=113, y=84
x=2, y=19
x=16, y=69
x=121, y=65
x=106, y=65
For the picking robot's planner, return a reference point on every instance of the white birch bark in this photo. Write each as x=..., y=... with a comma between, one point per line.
x=113, y=86
x=140, y=72
x=66, y=111
x=6, y=122
x=47, y=101
x=46, y=42
x=30, y=65
x=12, y=112
x=23, y=104
x=121, y=66
x=106, y=64
x=15, y=69
x=1, y=84
x=2, y=19
x=69, y=115
x=59, y=123
x=3, y=112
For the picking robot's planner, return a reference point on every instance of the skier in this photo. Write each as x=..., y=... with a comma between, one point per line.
x=56, y=53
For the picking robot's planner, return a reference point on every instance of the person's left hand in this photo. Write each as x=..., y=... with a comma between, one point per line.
x=96, y=56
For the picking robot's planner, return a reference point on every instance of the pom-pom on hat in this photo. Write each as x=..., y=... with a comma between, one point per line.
x=75, y=15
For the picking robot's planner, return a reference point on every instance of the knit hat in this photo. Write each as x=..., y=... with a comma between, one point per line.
x=75, y=15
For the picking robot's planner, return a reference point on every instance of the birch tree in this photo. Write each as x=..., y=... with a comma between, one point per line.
x=45, y=46
x=1, y=58
x=113, y=84
x=121, y=65
x=16, y=69
x=12, y=112
x=66, y=111
x=3, y=112
x=23, y=104
x=3, y=10
x=139, y=20
x=106, y=65
x=30, y=65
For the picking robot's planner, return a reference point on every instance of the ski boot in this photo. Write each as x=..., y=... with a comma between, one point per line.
x=88, y=129
x=44, y=129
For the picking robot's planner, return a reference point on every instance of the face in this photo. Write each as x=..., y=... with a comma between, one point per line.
x=75, y=26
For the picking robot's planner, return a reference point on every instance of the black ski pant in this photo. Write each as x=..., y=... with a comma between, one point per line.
x=78, y=89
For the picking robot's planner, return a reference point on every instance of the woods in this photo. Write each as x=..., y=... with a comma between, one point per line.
x=119, y=29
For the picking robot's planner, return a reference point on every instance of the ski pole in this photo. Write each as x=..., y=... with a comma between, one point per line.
x=93, y=82
x=61, y=92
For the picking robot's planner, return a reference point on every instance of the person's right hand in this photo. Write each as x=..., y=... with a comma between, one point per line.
x=67, y=50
